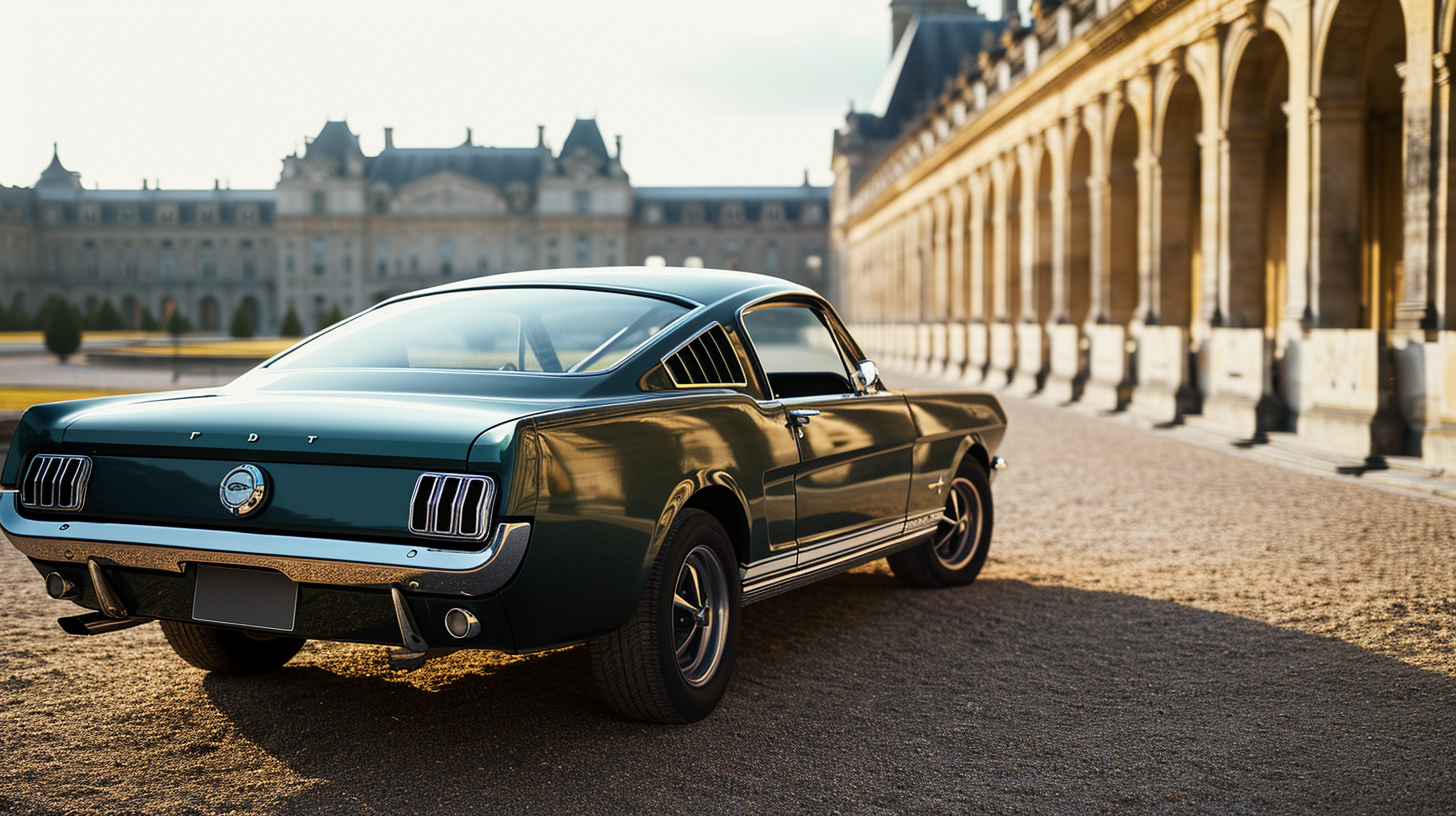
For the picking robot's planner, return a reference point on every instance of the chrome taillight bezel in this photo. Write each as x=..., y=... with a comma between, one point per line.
x=467, y=500
x=47, y=472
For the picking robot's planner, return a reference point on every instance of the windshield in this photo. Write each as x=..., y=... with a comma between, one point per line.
x=551, y=330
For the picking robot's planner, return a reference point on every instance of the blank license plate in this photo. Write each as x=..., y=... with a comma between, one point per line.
x=242, y=597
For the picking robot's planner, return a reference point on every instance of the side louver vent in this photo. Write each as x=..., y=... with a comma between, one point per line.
x=706, y=361
x=449, y=505
x=54, y=482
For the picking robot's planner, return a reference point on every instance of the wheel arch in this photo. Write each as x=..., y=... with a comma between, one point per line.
x=725, y=505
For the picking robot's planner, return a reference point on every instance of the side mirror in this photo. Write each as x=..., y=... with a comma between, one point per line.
x=867, y=377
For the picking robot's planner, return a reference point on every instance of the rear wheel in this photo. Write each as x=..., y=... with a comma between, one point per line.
x=671, y=660
x=957, y=550
x=228, y=651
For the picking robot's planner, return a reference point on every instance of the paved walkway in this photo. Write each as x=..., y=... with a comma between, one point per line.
x=44, y=371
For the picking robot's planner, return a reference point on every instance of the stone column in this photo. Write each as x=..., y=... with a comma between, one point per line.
x=1338, y=129
x=1059, y=144
x=1415, y=309
x=1025, y=157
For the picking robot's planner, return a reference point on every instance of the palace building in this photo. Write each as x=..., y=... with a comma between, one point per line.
x=1233, y=212
x=342, y=229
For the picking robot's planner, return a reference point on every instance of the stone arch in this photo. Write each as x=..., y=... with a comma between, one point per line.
x=1122, y=228
x=209, y=315
x=1042, y=245
x=1012, y=270
x=1361, y=118
x=1181, y=171
x=1257, y=150
x=1079, y=228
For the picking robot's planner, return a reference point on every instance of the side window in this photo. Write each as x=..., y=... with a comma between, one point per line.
x=797, y=352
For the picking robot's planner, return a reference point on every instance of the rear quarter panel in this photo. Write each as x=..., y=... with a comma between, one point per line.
x=610, y=480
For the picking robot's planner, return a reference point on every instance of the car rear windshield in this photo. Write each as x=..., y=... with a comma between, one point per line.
x=543, y=329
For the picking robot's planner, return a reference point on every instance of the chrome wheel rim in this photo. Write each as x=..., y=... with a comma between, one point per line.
x=699, y=615
x=959, y=532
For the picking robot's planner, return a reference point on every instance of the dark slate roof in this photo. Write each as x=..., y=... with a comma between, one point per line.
x=498, y=166
x=56, y=174
x=159, y=196
x=929, y=53
x=335, y=140
x=585, y=134
x=800, y=193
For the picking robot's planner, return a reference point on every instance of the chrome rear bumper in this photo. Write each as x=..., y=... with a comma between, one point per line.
x=306, y=560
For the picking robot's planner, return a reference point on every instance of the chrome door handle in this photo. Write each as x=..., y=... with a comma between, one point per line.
x=799, y=417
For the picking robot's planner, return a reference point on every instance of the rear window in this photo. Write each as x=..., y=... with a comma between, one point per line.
x=549, y=330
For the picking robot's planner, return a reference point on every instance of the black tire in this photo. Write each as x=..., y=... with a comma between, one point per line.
x=228, y=651
x=956, y=552
x=669, y=663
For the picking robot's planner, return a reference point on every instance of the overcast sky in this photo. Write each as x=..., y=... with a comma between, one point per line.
x=730, y=92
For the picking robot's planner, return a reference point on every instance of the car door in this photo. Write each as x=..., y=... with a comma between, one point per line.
x=855, y=446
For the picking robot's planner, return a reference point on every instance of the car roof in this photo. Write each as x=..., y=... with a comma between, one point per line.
x=704, y=286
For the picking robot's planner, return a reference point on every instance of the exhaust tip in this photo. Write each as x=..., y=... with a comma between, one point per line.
x=61, y=589
x=462, y=623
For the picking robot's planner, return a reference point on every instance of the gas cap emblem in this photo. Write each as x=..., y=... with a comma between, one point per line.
x=243, y=490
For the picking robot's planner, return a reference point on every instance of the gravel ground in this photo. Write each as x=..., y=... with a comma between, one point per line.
x=1161, y=628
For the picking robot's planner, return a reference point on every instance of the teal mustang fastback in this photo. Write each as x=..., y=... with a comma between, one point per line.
x=623, y=457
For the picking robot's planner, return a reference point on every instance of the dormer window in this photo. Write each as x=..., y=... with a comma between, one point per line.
x=89, y=215
x=773, y=212
x=206, y=215
x=732, y=213
x=581, y=201
x=693, y=213
x=247, y=215
x=167, y=215
x=319, y=202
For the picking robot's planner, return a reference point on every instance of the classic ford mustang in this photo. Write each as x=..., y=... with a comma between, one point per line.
x=618, y=456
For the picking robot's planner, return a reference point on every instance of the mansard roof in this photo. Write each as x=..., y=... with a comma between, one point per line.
x=335, y=141
x=800, y=193
x=929, y=53
x=497, y=166
x=585, y=134
x=56, y=174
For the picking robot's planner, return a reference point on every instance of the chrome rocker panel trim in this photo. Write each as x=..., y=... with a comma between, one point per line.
x=759, y=588
x=305, y=560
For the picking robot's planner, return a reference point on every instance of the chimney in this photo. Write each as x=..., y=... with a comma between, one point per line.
x=144, y=184
x=540, y=135
x=619, y=148
x=806, y=177
x=389, y=138
x=217, y=184
x=470, y=136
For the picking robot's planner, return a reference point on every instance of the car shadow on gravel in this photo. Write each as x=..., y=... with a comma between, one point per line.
x=862, y=696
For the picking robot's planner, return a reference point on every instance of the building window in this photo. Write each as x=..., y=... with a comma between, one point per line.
x=693, y=213
x=381, y=259
x=167, y=215
x=89, y=215
x=583, y=250
x=654, y=214
x=732, y=213
x=250, y=267
x=581, y=201
x=320, y=255
x=169, y=267
x=206, y=215
x=447, y=258
x=773, y=212
x=128, y=214
x=129, y=265
x=93, y=264
x=320, y=202
x=209, y=264
x=247, y=215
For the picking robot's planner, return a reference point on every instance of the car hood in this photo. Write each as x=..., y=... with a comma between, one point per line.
x=324, y=425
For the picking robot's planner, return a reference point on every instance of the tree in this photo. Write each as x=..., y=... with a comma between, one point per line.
x=177, y=325
x=63, y=332
x=108, y=318
x=333, y=316
x=148, y=323
x=47, y=313
x=291, y=325
x=242, y=325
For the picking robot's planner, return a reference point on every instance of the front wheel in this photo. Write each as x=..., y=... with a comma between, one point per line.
x=671, y=660
x=228, y=651
x=956, y=552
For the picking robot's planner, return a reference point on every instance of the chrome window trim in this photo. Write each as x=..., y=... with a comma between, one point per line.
x=306, y=560
x=688, y=342
x=487, y=506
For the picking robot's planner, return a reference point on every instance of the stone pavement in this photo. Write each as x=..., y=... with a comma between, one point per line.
x=44, y=371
